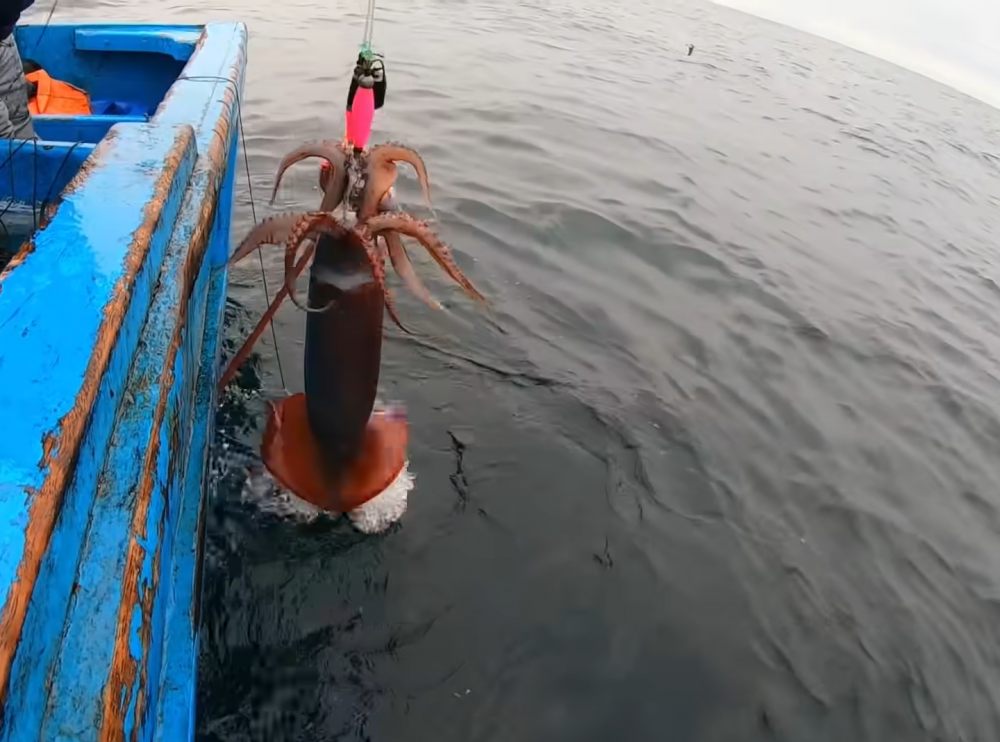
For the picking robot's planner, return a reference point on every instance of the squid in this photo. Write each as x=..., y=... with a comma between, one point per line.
x=328, y=445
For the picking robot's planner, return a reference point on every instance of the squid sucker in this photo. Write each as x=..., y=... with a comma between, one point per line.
x=329, y=446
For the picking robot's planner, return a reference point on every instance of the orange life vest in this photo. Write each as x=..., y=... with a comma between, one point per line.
x=55, y=97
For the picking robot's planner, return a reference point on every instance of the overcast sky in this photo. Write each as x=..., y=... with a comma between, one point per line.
x=954, y=41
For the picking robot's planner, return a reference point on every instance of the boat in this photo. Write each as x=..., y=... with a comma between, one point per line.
x=110, y=318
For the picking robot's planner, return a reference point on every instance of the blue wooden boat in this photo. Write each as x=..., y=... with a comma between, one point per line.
x=110, y=317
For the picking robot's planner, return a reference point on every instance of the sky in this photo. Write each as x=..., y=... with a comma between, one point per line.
x=954, y=41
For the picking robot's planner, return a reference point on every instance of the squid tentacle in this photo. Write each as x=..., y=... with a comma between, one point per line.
x=297, y=236
x=421, y=231
x=327, y=149
x=404, y=268
x=379, y=229
x=376, y=259
x=388, y=296
x=240, y=357
x=381, y=178
x=272, y=231
x=400, y=258
x=334, y=190
x=392, y=152
x=333, y=185
x=308, y=229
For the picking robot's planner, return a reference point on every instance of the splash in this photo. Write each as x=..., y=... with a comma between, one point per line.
x=375, y=516
x=260, y=491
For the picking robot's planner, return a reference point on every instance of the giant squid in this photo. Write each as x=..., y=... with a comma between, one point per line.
x=326, y=445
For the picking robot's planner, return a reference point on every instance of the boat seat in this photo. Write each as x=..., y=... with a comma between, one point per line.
x=177, y=43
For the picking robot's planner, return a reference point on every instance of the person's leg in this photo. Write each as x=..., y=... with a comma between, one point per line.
x=15, y=120
x=6, y=125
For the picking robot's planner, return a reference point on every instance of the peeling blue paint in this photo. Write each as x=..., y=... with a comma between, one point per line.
x=176, y=712
x=136, y=491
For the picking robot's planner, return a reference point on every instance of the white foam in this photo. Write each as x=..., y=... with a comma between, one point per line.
x=375, y=516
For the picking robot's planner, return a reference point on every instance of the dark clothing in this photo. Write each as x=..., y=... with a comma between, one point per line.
x=10, y=13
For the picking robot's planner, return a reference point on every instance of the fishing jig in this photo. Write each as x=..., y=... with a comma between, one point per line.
x=367, y=92
x=365, y=96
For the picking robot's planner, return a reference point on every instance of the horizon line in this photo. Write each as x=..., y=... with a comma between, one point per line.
x=946, y=72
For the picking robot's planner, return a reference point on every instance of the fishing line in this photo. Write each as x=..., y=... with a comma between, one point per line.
x=45, y=27
x=366, y=41
x=7, y=241
x=10, y=201
x=7, y=250
x=10, y=156
x=34, y=189
x=55, y=180
x=253, y=208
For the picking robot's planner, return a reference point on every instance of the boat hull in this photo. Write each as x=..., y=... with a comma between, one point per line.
x=110, y=320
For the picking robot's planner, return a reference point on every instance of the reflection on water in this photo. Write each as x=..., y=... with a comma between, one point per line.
x=718, y=462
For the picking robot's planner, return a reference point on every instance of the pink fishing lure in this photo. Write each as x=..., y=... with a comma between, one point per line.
x=359, y=118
